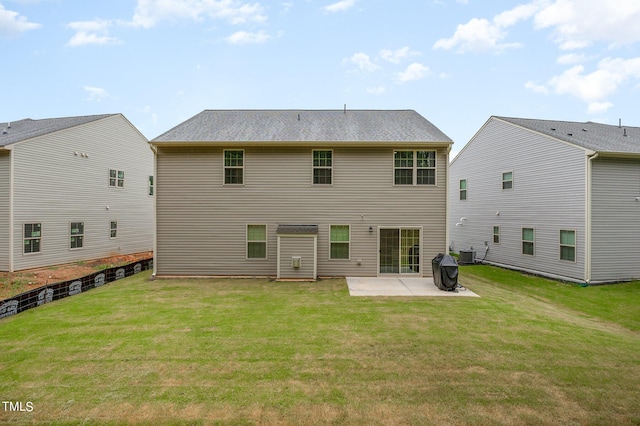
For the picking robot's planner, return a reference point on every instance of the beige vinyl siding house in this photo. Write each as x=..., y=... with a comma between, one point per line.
x=58, y=201
x=555, y=198
x=244, y=192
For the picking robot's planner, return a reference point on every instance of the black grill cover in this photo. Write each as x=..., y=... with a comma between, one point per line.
x=445, y=272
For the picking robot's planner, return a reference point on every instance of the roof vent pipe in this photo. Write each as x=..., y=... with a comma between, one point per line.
x=345, y=108
x=625, y=132
x=619, y=122
x=298, y=117
x=8, y=125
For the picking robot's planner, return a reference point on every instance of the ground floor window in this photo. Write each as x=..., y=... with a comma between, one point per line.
x=32, y=238
x=340, y=237
x=114, y=229
x=496, y=235
x=76, y=235
x=568, y=245
x=528, y=241
x=256, y=241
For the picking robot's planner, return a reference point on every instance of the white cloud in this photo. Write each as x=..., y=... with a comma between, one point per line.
x=482, y=35
x=580, y=23
x=599, y=84
x=395, y=56
x=96, y=94
x=243, y=37
x=149, y=12
x=363, y=61
x=91, y=32
x=594, y=87
x=340, y=6
x=536, y=88
x=12, y=24
x=572, y=58
x=378, y=90
x=413, y=72
x=598, y=107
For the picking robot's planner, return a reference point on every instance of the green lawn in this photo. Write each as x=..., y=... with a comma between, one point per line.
x=529, y=351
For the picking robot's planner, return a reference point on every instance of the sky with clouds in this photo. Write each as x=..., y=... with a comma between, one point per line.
x=456, y=62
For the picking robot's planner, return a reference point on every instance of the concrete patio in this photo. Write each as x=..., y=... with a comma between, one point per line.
x=400, y=286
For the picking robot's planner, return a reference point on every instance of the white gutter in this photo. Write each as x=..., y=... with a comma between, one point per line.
x=588, y=202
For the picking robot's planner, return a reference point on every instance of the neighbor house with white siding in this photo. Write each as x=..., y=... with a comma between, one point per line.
x=555, y=198
x=297, y=194
x=73, y=189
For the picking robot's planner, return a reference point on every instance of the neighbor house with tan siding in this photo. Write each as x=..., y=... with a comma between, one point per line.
x=297, y=194
x=73, y=189
x=555, y=198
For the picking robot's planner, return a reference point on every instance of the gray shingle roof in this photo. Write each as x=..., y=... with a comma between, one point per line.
x=604, y=138
x=26, y=129
x=304, y=126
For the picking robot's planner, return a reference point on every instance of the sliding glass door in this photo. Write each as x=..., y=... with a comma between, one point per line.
x=399, y=250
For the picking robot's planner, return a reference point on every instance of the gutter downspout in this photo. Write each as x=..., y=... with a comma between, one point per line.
x=154, y=149
x=588, y=206
x=446, y=206
x=11, y=231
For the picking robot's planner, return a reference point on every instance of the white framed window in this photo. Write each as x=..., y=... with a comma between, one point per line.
x=463, y=189
x=496, y=235
x=340, y=241
x=76, y=235
x=150, y=183
x=414, y=167
x=568, y=245
x=116, y=178
x=322, y=167
x=32, y=238
x=528, y=241
x=234, y=167
x=507, y=180
x=256, y=241
x=113, y=229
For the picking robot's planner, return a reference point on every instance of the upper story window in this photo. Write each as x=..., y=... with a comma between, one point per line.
x=414, y=168
x=233, y=167
x=463, y=189
x=76, y=235
x=114, y=229
x=150, y=185
x=116, y=178
x=507, y=180
x=322, y=167
x=32, y=238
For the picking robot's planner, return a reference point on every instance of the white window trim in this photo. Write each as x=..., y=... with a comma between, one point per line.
x=32, y=238
x=466, y=189
x=502, y=181
x=113, y=229
x=117, y=179
x=343, y=242
x=499, y=234
x=313, y=167
x=224, y=167
x=575, y=246
x=414, y=180
x=522, y=241
x=77, y=235
x=247, y=241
